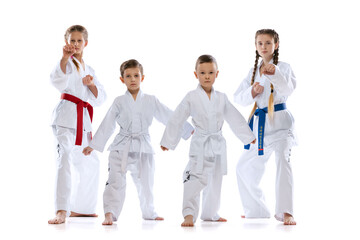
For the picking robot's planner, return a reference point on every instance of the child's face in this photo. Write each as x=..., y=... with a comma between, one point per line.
x=76, y=39
x=266, y=46
x=132, y=79
x=206, y=73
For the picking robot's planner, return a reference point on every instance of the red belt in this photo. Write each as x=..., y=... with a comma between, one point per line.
x=80, y=105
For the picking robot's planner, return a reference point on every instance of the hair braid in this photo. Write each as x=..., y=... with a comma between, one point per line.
x=253, y=79
x=271, y=98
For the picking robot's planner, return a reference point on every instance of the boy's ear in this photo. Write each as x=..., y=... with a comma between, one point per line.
x=195, y=74
x=122, y=80
x=142, y=78
x=86, y=43
x=217, y=73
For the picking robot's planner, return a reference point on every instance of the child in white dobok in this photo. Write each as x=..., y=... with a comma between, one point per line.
x=268, y=85
x=207, y=165
x=77, y=176
x=131, y=149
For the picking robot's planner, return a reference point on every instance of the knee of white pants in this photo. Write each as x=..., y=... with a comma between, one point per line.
x=282, y=159
x=246, y=160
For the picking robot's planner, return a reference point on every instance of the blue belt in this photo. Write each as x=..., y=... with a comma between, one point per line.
x=261, y=112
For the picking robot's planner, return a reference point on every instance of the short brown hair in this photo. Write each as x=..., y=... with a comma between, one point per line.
x=132, y=63
x=205, y=59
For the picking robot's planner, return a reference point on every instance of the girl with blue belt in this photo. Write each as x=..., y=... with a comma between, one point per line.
x=267, y=86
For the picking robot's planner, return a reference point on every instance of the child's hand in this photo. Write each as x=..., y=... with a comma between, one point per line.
x=68, y=50
x=88, y=80
x=164, y=148
x=257, y=89
x=87, y=151
x=269, y=69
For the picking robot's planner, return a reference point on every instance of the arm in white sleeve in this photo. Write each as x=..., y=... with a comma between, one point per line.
x=283, y=80
x=106, y=129
x=237, y=123
x=163, y=114
x=243, y=94
x=58, y=78
x=101, y=97
x=175, y=126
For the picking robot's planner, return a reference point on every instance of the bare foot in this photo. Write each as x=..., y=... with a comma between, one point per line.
x=60, y=217
x=289, y=219
x=221, y=220
x=188, y=221
x=159, y=219
x=108, y=219
x=74, y=214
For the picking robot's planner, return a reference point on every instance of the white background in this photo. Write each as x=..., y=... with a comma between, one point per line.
x=320, y=39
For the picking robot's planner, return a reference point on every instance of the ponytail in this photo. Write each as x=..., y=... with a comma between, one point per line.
x=76, y=64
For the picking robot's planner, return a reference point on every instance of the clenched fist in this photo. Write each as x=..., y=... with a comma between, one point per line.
x=68, y=50
x=88, y=80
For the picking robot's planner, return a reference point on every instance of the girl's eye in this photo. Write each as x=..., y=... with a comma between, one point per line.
x=202, y=73
x=211, y=72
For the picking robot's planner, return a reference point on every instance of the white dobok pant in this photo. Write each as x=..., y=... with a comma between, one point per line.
x=142, y=170
x=250, y=170
x=210, y=182
x=77, y=178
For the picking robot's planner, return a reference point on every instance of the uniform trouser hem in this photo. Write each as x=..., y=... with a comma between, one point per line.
x=114, y=216
x=63, y=209
x=152, y=218
x=280, y=216
x=189, y=212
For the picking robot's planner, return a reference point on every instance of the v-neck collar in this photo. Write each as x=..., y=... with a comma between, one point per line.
x=212, y=95
x=262, y=61
x=81, y=66
x=138, y=97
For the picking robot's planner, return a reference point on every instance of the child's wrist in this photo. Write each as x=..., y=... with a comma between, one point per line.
x=64, y=59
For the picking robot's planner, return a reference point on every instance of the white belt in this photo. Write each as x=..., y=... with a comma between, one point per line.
x=126, y=150
x=205, y=138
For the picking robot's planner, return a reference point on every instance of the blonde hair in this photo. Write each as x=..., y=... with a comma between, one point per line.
x=275, y=36
x=76, y=28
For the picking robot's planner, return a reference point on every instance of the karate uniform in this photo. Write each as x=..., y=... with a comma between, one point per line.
x=77, y=175
x=131, y=149
x=207, y=163
x=279, y=137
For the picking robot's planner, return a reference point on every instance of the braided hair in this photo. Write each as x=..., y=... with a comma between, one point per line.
x=275, y=36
